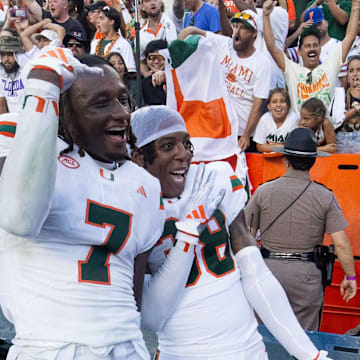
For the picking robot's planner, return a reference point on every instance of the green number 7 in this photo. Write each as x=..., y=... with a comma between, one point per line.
x=95, y=268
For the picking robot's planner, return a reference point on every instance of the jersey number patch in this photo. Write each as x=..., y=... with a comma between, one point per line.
x=215, y=252
x=95, y=268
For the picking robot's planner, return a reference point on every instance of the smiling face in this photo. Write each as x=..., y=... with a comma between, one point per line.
x=310, y=52
x=354, y=74
x=118, y=64
x=173, y=154
x=155, y=61
x=278, y=107
x=243, y=37
x=101, y=114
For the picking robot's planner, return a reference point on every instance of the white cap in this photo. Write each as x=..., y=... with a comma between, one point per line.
x=48, y=34
x=152, y=122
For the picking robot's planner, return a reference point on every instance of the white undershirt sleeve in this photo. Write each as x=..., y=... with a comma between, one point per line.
x=28, y=178
x=269, y=300
x=165, y=289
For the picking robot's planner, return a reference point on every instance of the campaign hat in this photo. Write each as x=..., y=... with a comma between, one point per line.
x=301, y=142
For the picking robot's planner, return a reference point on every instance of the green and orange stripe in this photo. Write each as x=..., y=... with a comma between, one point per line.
x=236, y=183
x=7, y=128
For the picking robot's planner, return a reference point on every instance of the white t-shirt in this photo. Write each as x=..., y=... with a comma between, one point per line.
x=165, y=31
x=202, y=325
x=267, y=131
x=244, y=77
x=323, y=82
x=123, y=47
x=12, y=85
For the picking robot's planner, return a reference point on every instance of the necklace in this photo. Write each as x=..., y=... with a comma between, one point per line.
x=97, y=50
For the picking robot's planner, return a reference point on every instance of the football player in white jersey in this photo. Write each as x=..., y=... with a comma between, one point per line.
x=78, y=218
x=200, y=297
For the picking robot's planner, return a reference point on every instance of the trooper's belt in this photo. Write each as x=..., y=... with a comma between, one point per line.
x=266, y=254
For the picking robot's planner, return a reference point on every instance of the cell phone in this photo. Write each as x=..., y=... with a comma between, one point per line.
x=19, y=13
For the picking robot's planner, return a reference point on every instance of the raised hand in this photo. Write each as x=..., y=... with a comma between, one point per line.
x=268, y=7
x=62, y=62
x=204, y=200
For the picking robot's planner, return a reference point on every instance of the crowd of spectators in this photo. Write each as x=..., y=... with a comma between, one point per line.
x=317, y=47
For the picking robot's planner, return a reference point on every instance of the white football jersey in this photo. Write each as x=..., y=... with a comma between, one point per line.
x=74, y=282
x=213, y=317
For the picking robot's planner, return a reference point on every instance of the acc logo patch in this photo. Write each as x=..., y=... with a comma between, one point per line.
x=68, y=161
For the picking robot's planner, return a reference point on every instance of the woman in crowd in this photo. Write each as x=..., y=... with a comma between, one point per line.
x=346, y=110
x=108, y=24
x=154, y=81
x=117, y=61
x=313, y=116
x=274, y=126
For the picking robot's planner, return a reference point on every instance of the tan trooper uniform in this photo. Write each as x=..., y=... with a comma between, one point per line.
x=298, y=230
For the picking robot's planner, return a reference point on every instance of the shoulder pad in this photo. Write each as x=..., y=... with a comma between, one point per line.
x=322, y=185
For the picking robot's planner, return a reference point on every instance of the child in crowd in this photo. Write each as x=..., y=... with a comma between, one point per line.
x=274, y=126
x=313, y=116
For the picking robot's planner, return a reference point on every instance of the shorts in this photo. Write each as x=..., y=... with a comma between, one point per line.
x=255, y=352
x=123, y=351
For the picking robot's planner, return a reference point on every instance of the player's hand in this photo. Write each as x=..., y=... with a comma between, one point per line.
x=348, y=289
x=204, y=198
x=268, y=7
x=62, y=62
x=244, y=142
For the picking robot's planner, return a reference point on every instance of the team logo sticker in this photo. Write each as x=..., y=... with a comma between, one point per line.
x=68, y=161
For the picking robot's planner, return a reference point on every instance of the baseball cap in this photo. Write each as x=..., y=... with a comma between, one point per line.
x=152, y=122
x=77, y=35
x=316, y=14
x=247, y=17
x=96, y=5
x=301, y=142
x=47, y=34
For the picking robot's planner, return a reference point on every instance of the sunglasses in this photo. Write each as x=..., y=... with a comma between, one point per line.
x=309, y=78
x=76, y=44
x=155, y=57
x=243, y=16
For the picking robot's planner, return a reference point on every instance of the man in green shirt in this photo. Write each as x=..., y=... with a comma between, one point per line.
x=337, y=13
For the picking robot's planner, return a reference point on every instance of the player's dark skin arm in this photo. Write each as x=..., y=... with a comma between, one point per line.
x=139, y=273
x=240, y=236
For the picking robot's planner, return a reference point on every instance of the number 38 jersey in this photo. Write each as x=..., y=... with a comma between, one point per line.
x=213, y=317
x=74, y=282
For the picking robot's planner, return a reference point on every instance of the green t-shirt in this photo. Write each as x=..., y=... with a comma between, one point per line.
x=335, y=29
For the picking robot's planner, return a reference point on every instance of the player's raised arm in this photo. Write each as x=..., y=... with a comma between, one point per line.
x=28, y=177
